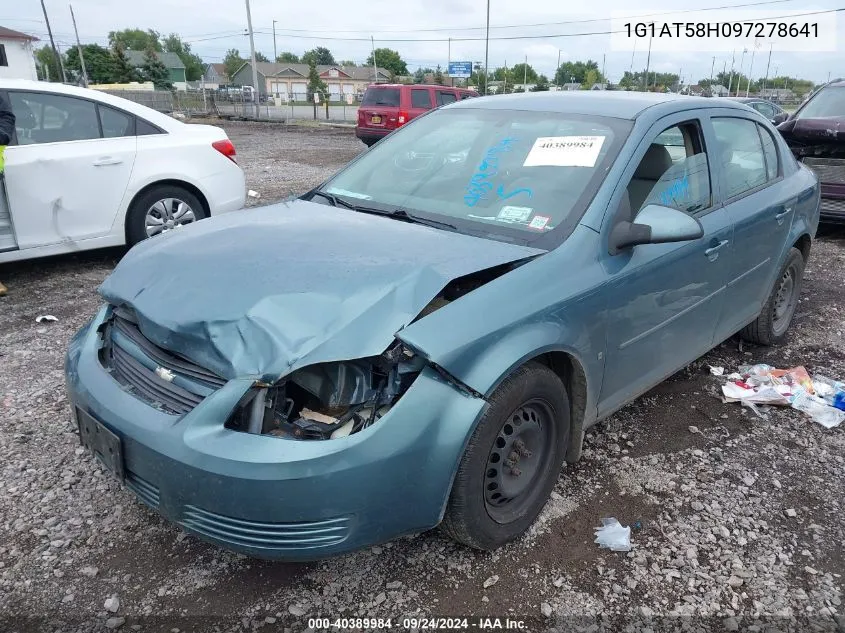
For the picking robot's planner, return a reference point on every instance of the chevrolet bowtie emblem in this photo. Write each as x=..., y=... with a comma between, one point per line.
x=165, y=374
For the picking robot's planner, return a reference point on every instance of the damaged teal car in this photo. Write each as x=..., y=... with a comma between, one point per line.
x=423, y=339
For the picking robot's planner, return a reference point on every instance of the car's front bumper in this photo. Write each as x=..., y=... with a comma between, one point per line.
x=277, y=498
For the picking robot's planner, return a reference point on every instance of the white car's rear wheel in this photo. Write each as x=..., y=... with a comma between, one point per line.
x=161, y=209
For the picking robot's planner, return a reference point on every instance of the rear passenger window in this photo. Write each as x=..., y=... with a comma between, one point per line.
x=142, y=128
x=116, y=123
x=740, y=153
x=49, y=118
x=445, y=97
x=770, y=151
x=420, y=99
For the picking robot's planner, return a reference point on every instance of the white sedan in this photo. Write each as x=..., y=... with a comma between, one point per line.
x=90, y=170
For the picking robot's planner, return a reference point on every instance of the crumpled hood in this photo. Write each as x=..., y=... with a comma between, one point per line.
x=812, y=131
x=266, y=291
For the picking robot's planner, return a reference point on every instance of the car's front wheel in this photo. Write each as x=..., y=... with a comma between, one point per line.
x=160, y=209
x=770, y=327
x=512, y=460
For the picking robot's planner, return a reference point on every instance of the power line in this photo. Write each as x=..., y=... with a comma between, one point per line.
x=518, y=26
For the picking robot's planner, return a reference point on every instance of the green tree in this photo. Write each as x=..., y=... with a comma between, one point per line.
x=261, y=57
x=315, y=84
x=518, y=73
x=98, y=63
x=286, y=57
x=136, y=39
x=577, y=72
x=347, y=62
x=419, y=76
x=439, y=79
x=194, y=66
x=541, y=85
x=478, y=80
x=232, y=62
x=320, y=56
x=590, y=79
x=122, y=71
x=155, y=71
x=46, y=58
x=389, y=60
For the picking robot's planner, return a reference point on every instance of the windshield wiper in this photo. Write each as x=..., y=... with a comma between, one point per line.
x=399, y=214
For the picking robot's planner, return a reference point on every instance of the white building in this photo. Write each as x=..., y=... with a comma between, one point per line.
x=17, y=60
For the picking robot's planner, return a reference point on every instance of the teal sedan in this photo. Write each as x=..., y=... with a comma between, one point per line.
x=423, y=339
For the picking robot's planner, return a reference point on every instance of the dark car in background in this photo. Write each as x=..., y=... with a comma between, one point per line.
x=386, y=107
x=772, y=111
x=816, y=135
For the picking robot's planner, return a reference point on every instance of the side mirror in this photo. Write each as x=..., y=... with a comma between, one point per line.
x=655, y=224
x=780, y=118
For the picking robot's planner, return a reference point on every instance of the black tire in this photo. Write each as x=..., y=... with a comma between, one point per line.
x=135, y=217
x=771, y=326
x=472, y=516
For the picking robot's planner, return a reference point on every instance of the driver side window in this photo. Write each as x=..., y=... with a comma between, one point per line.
x=674, y=172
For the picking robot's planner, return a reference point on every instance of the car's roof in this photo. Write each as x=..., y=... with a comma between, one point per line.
x=609, y=103
x=745, y=99
x=153, y=116
x=419, y=86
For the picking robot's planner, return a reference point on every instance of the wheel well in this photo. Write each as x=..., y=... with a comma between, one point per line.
x=174, y=183
x=569, y=370
x=803, y=244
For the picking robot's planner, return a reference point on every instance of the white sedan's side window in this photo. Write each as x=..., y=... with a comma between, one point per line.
x=49, y=118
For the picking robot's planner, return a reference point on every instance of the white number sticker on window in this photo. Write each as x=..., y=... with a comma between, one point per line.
x=565, y=151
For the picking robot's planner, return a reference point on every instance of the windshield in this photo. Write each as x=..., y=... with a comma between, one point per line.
x=827, y=102
x=513, y=175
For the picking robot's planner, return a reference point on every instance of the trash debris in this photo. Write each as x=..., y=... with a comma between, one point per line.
x=821, y=398
x=253, y=194
x=613, y=536
x=717, y=371
x=45, y=317
x=490, y=582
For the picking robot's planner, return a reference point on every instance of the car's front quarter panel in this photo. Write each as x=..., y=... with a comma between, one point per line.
x=269, y=496
x=550, y=304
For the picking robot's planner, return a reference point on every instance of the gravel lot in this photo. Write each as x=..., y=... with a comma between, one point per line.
x=707, y=484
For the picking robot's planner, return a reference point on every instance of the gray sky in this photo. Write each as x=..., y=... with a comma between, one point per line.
x=299, y=24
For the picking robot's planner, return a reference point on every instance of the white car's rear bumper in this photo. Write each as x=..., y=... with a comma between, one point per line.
x=225, y=191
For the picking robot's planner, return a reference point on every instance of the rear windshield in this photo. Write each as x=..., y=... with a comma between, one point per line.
x=381, y=97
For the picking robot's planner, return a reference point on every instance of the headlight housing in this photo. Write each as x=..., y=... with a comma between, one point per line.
x=328, y=400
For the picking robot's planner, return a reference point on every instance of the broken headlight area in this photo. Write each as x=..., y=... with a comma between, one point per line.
x=328, y=400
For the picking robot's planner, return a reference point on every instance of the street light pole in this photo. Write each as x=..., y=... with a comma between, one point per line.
x=486, y=51
x=256, y=92
x=275, y=54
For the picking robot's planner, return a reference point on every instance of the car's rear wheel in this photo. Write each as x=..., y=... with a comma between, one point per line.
x=512, y=460
x=771, y=326
x=160, y=209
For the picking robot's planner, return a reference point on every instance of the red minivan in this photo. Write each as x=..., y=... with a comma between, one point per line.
x=386, y=107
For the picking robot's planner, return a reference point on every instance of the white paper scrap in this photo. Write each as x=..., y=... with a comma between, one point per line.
x=565, y=151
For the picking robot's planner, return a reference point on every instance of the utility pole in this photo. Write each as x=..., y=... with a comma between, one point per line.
x=557, y=70
x=648, y=62
x=275, y=54
x=525, y=76
x=768, y=63
x=53, y=45
x=603, y=59
x=256, y=92
x=487, y=51
x=79, y=48
x=505, y=83
x=731, y=79
x=449, y=62
x=750, y=70
x=375, y=65
x=711, y=73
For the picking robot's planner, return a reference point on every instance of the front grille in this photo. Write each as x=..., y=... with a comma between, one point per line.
x=143, y=489
x=828, y=170
x=133, y=360
x=260, y=535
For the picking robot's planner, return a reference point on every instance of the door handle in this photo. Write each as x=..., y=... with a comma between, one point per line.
x=107, y=160
x=715, y=249
x=780, y=216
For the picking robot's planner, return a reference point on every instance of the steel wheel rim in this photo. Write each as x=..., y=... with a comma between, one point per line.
x=786, y=297
x=518, y=460
x=168, y=214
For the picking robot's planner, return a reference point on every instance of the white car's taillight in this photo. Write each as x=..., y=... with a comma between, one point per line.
x=227, y=148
